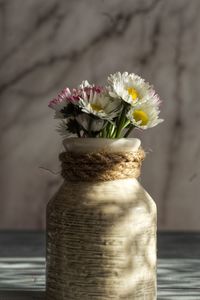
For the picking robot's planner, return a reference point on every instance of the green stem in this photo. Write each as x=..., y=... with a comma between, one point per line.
x=112, y=131
x=104, y=132
x=108, y=130
x=131, y=127
x=126, y=124
x=120, y=125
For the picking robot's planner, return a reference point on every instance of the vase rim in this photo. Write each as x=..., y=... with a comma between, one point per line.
x=85, y=145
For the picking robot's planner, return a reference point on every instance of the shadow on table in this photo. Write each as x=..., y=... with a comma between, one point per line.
x=22, y=295
x=179, y=274
x=179, y=294
x=20, y=273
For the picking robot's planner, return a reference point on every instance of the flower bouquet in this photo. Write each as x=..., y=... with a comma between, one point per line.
x=113, y=111
x=101, y=224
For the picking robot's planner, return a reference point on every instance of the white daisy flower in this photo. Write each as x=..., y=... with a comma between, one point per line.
x=59, y=103
x=95, y=100
x=131, y=88
x=62, y=101
x=144, y=115
x=85, y=84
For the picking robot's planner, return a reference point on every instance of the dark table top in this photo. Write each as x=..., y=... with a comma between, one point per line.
x=22, y=265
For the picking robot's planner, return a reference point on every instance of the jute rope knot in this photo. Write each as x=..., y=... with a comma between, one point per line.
x=101, y=166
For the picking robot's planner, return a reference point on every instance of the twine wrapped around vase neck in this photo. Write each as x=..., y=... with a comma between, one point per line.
x=101, y=166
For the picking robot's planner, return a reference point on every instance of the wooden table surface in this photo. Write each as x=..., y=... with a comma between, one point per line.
x=22, y=266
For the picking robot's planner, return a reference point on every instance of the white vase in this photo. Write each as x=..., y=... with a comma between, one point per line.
x=101, y=236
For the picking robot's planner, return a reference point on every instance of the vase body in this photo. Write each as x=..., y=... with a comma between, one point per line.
x=101, y=242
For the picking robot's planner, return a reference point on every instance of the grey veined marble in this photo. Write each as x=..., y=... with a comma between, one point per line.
x=46, y=45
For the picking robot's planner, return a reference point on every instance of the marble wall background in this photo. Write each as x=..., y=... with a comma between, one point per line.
x=46, y=45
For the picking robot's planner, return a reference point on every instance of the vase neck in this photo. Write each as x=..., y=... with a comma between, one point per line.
x=88, y=145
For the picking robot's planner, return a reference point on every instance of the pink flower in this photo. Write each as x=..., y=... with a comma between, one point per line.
x=66, y=96
x=62, y=100
x=69, y=102
x=92, y=89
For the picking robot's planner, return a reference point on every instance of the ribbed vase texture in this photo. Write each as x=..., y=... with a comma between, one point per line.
x=101, y=242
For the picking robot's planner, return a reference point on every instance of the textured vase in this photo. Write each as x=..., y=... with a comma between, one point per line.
x=101, y=236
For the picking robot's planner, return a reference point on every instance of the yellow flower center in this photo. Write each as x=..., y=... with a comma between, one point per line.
x=96, y=107
x=133, y=93
x=140, y=115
